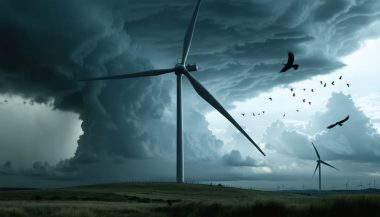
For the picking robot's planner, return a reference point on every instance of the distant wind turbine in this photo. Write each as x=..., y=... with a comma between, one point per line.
x=360, y=186
x=182, y=69
x=319, y=162
x=374, y=183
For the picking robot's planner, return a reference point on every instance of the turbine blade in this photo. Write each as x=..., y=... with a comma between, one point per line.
x=214, y=103
x=328, y=164
x=316, y=169
x=316, y=151
x=189, y=34
x=131, y=75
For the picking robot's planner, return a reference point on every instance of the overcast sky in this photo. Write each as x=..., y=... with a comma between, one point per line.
x=56, y=131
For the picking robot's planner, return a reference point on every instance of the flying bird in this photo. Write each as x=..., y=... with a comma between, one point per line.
x=321, y=82
x=253, y=114
x=340, y=77
x=324, y=85
x=304, y=89
x=340, y=123
x=309, y=103
x=303, y=100
x=283, y=115
x=290, y=64
x=294, y=94
x=297, y=110
x=291, y=89
x=348, y=85
x=270, y=98
x=243, y=114
x=312, y=90
x=263, y=112
x=333, y=83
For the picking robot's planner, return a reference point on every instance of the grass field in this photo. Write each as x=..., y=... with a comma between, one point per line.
x=169, y=199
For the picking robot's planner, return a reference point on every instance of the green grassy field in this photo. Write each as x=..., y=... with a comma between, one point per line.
x=169, y=199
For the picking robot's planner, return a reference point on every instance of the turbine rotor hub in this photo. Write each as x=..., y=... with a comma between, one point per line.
x=179, y=69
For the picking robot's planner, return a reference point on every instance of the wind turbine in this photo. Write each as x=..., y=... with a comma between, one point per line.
x=374, y=183
x=319, y=162
x=181, y=69
x=360, y=186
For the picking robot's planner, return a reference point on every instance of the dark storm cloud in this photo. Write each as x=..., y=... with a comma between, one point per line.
x=329, y=10
x=46, y=45
x=355, y=141
x=6, y=168
x=42, y=169
x=257, y=36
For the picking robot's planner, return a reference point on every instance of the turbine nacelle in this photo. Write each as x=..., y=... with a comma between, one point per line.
x=191, y=67
x=180, y=69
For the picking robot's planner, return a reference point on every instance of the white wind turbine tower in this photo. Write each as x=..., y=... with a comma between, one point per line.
x=181, y=69
x=374, y=183
x=319, y=162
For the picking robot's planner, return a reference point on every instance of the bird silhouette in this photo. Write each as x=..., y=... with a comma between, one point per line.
x=297, y=110
x=294, y=94
x=348, y=85
x=303, y=100
x=263, y=112
x=291, y=89
x=283, y=115
x=340, y=77
x=304, y=89
x=242, y=114
x=290, y=64
x=270, y=98
x=309, y=103
x=312, y=90
x=321, y=82
x=333, y=83
x=253, y=114
x=324, y=85
x=258, y=113
x=340, y=123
